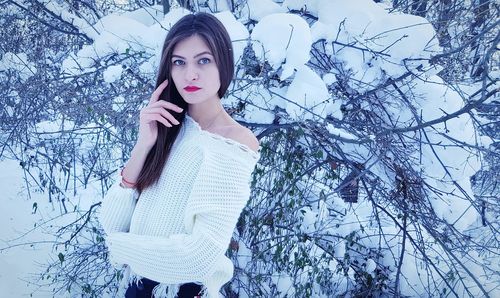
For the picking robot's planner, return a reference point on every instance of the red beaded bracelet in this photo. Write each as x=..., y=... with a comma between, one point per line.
x=124, y=180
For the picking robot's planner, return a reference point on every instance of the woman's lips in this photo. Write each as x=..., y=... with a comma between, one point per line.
x=191, y=88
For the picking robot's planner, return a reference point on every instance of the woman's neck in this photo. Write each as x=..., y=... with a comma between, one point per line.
x=207, y=115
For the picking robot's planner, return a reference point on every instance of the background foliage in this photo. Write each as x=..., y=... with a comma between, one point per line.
x=346, y=216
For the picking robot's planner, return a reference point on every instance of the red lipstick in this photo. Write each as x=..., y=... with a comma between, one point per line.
x=191, y=88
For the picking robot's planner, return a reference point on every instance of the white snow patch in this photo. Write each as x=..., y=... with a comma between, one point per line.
x=282, y=39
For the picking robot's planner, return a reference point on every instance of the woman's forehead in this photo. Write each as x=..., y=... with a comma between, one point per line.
x=191, y=47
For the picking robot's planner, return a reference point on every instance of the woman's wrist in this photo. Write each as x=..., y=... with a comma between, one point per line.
x=140, y=149
x=126, y=182
x=124, y=185
x=137, y=157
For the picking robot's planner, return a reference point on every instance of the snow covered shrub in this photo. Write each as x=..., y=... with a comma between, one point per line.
x=377, y=121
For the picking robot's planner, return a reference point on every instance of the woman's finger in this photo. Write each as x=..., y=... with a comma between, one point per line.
x=163, y=112
x=167, y=105
x=156, y=94
x=156, y=117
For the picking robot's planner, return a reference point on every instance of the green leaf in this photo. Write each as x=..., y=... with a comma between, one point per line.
x=119, y=275
x=87, y=288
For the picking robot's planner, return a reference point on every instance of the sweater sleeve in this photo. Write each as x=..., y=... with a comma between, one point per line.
x=219, y=194
x=117, y=207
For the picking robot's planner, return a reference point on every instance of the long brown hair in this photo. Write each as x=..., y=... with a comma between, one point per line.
x=212, y=31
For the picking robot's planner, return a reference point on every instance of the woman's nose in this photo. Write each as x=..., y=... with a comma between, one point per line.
x=192, y=74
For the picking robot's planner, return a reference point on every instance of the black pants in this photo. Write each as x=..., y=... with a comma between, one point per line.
x=145, y=289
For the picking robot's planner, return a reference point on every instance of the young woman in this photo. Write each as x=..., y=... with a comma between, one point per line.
x=170, y=216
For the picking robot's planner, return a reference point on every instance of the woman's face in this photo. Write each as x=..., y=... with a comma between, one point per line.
x=194, y=71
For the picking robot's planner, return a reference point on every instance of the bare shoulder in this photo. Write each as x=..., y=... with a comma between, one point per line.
x=244, y=136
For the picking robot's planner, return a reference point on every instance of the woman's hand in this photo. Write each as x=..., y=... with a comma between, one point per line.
x=155, y=111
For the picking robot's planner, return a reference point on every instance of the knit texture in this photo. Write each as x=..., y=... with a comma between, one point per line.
x=179, y=229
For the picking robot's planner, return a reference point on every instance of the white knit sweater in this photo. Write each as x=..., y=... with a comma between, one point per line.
x=180, y=228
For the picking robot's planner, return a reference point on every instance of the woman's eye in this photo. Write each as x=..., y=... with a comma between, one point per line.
x=204, y=61
x=177, y=62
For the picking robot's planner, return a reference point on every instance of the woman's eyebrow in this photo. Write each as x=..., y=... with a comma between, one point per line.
x=202, y=53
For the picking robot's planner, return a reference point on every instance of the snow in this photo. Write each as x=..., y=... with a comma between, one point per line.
x=311, y=6
x=341, y=14
x=144, y=31
x=121, y=34
x=390, y=38
x=237, y=32
x=52, y=129
x=263, y=101
x=20, y=63
x=339, y=252
x=150, y=65
x=436, y=98
x=283, y=40
x=284, y=284
x=148, y=15
x=84, y=26
x=118, y=103
x=17, y=217
x=309, y=220
x=409, y=36
x=329, y=78
x=307, y=90
x=258, y=9
x=340, y=132
x=112, y=73
x=370, y=266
